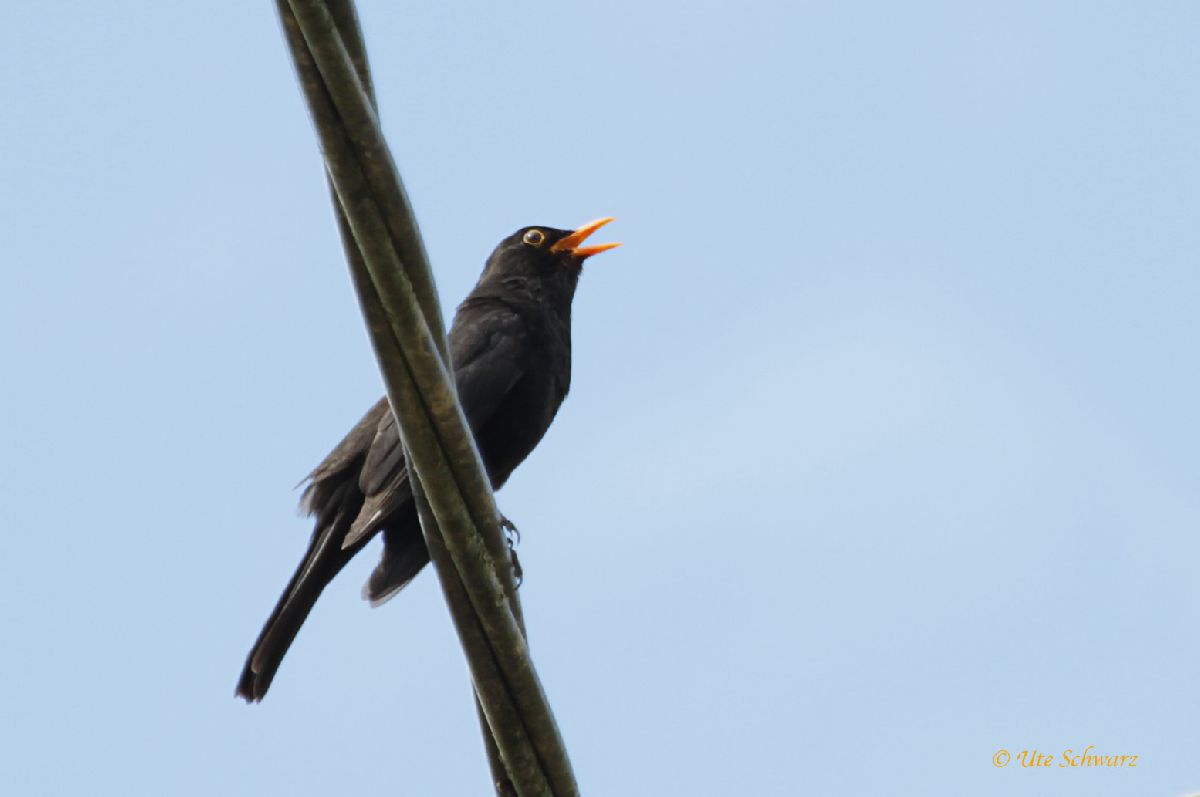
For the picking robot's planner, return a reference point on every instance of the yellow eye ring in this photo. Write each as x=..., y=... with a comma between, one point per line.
x=534, y=238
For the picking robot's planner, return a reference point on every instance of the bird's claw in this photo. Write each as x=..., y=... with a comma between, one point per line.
x=512, y=535
x=518, y=573
x=512, y=530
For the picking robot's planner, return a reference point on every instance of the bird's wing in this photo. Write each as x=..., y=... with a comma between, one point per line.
x=383, y=480
x=487, y=347
x=490, y=348
x=345, y=455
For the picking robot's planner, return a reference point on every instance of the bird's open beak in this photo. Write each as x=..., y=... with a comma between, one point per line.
x=572, y=242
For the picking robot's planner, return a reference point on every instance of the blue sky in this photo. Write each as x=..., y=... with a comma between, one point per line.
x=881, y=451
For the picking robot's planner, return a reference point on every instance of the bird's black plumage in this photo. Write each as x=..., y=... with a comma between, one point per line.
x=510, y=345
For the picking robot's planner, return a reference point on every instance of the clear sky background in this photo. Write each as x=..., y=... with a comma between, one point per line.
x=881, y=452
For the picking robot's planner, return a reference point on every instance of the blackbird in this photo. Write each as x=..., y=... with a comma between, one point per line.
x=510, y=346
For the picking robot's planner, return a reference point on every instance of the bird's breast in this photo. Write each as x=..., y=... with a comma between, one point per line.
x=519, y=423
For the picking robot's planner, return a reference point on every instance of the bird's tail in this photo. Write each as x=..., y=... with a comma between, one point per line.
x=403, y=558
x=323, y=561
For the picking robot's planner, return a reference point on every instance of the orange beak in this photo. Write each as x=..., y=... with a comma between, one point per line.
x=572, y=242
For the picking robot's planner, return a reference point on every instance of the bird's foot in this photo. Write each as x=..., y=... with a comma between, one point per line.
x=510, y=530
x=518, y=573
x=512, y=536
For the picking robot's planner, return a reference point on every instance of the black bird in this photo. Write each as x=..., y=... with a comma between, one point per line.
x=510, y=345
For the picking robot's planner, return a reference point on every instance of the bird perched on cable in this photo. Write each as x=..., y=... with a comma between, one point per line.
x=510, y=346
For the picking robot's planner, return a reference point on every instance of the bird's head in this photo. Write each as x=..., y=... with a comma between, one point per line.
x=545, y=254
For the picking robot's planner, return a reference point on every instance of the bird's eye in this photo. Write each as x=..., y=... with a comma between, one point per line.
x=535, y=238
